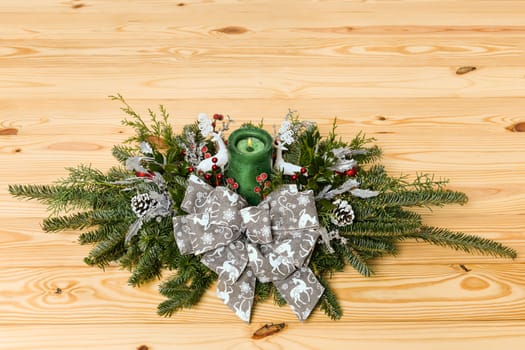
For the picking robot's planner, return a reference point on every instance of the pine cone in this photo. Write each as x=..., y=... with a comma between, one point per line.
x=142, y=203
x=343, y=215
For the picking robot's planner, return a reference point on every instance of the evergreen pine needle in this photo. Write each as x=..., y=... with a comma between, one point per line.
x=418, y=198
x=107, y=251
x=263, y=291
x=42, y=193
x=179, y=299
x=101, y=233
x=355, y=259
x=328, y=302
x=380, y=228
x=148, y=267
x=373, y=245
x=123, y=152
x=82, y=220
x=183, y=296
x=277, y=297
x=461, y=241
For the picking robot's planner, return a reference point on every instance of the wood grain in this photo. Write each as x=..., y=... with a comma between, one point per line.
x=396, y=293
x=402, y=335
x=385, y=67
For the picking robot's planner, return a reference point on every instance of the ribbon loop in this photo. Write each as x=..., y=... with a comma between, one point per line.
x=291, y=211
x=280, y=236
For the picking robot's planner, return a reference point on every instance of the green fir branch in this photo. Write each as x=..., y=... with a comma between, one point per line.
x=373, y=246
x=148, y=267
x=418, y=198
x=101, y=233
x=372, y=154
x=82, y=220
x=278, y=299
x=380, y=228
x=376, y=178
x=181, y=295
x=325, y=262
x=464, y=242
x=263, y=291
x=354, y=258
x=328, y=302
x=107, y=251
x=123, y=152
x=41, y=193
x=135, y=121
x=182, y=298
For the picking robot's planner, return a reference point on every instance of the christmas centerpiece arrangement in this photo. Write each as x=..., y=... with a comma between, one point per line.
x=262, y=215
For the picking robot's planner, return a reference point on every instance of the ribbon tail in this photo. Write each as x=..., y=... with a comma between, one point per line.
x=236, y=282
x=133, y=230
x=302, y=291
x=239, y=295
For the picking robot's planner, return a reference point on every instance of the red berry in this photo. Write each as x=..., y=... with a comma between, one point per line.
x=191, y=169
x=258, y=179
x=219, y=176
x=204, y=149
x=294, y=177
x=235, y=186
x=207, y=155
x=257, y=189
x=351, y=172
x=207, y=176
x=230, y=181
x=149, y=174
x=263, y=176
x=214, y=160
x=267, y=184
x=183, y=152
x=214, y=167
x=216, y=116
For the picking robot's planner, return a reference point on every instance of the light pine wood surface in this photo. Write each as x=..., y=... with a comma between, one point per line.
x=385, y=67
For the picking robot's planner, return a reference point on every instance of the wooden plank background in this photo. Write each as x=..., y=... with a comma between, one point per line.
x=385, y=67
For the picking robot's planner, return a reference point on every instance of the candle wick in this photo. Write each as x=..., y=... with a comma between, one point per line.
x=249, y=145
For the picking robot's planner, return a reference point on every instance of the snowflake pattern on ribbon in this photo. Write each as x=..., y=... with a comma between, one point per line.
x=271, y=242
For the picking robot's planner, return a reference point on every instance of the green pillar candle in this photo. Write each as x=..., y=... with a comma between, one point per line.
x=249, y=155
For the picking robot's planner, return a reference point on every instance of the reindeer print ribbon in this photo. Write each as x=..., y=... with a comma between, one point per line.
x=271, y=242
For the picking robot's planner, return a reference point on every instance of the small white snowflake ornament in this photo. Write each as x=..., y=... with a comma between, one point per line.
x=205, y=124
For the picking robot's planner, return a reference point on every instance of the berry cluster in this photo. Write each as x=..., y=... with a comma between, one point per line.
x=214, y=177
x=216, y=118
x=303, y=171
x=231, y=184
x=264, y=186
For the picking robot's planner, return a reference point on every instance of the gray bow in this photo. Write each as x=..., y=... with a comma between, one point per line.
x=271, y=242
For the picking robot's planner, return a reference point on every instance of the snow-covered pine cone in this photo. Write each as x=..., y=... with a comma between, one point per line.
x=142, y=203
x=342, y=215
